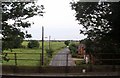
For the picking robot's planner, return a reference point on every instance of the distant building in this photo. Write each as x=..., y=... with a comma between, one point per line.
x=81, y=49
x=82, y=53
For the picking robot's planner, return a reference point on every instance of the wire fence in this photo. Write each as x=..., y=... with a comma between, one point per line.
x=13, y=58
x=63, y=60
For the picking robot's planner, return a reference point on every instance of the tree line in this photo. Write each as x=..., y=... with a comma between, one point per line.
x=101, y=24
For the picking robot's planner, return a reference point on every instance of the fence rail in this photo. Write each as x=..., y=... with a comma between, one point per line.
x=56, y=69
x=16, y=58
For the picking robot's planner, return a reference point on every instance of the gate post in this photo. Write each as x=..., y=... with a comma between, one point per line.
x=66, y=63
x=15, y=59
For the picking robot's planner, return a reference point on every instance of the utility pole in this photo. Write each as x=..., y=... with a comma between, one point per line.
x=42, y=59
x=49, y=42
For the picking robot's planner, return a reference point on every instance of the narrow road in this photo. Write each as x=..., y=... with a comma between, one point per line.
x=62, y=58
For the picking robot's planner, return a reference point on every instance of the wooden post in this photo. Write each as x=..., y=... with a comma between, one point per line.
x=49, y=42
x=40, y=60
x=67, y=59
x=15, y=59
x=67, y=63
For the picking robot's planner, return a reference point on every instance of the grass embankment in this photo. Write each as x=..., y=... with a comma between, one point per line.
x=25, y=53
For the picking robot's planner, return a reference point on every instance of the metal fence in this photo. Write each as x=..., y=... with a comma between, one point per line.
x=16, y=57
x=65, y=61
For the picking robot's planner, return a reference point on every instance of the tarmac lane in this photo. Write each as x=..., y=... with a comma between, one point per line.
x=62, y=58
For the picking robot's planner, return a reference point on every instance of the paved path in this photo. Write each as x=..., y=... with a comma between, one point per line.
x=60, y=59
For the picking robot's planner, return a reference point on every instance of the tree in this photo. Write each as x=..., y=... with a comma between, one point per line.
x=67, y=42
x=101, y=25
x=73, y=49
x=91, y=18
x=33, y=44
x=100, y=21
x=18, y=12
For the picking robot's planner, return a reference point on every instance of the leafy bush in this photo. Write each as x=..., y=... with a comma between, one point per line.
x=80, y=62
x=67, y=42
x=49, y=52
x=33, y=44
x=73, y=49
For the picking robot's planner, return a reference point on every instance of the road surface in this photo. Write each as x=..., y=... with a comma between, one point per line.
x=62, y=58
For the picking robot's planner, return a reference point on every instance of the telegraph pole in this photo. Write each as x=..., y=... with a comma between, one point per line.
x=49, y=42
x=42, y=59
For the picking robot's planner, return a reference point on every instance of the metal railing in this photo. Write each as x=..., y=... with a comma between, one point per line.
x=6, y=56
x=66, y=60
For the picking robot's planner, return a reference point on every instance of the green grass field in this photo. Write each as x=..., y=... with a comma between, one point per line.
x=25, y=53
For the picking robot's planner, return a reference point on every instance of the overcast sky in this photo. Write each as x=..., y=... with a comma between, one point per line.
x=58, y=21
